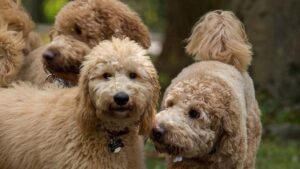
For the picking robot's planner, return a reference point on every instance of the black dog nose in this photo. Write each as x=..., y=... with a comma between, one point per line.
x=121, y=98
x=157, y=133
x=50, y=54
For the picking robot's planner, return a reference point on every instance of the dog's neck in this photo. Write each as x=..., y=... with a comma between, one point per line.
x=52, y=78
x=114, y=137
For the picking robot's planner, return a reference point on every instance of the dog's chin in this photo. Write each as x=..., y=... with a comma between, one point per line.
x=168, y=148
x=56, y=68
x=70, y=74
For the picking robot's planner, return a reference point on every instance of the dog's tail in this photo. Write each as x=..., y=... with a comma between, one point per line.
x=220, y=36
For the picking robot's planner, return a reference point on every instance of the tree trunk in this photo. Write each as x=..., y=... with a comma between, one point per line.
x=35, y=8
x=180, y=17
x=274, y=29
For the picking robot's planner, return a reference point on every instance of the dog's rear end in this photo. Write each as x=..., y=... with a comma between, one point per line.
x=210, y=117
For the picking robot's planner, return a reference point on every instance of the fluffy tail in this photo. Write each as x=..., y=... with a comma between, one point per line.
x=220, y=36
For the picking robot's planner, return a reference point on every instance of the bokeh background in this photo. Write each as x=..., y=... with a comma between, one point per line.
x=273, y=27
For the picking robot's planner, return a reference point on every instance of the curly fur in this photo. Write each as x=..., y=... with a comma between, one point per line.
x=64, y=128
x=15, y=21
x=103, y=19
x=220, y=36
x=226, y=133
x=16, y=17
x=11, y=55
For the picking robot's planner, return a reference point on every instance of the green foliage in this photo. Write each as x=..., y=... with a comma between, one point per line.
x=275, y=113
x=154, y=160
x=151, y=12
x=51, y=8
x=278, y=155
x=271, y=155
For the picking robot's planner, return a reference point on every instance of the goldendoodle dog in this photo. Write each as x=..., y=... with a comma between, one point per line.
x=89, y=22
x=96, y=125
x=11, y=56
x=17, y=39
x=79, y=26
x=210, y=118
x=18, y=20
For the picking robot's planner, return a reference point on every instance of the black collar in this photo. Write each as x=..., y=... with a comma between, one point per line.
x=115, y=143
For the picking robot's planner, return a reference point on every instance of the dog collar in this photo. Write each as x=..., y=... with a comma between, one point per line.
x=115, y=143
x=58, y=81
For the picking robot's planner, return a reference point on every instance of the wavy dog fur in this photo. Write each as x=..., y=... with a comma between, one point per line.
x=11, y=55
x=103, y=19
x=67, y=128
x=210, y=117
x=220, y=36
x=17, y=40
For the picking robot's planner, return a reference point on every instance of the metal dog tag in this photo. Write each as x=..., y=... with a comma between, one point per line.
x=115, y=145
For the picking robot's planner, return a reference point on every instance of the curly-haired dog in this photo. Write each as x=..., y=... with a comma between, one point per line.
x=89, y=22
x=11, y=55
x=95, y=125
x=17, y=39
x=12, y=12
x=210, y=118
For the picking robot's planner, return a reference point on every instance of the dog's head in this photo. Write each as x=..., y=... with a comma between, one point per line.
x=198, y=119
x=64, y=56
x=92, y=21
x=119, y=85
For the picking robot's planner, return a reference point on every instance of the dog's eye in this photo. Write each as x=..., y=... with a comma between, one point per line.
x=107, y=76
x=170, y=104
x=132, y=75
x=77, y=29
x=194, y=114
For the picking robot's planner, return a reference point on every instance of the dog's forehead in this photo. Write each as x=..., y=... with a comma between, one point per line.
x=195, y=89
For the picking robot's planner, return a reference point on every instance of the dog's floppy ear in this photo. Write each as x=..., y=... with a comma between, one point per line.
x=86, y=113
x=233, y=143
x=148, y=118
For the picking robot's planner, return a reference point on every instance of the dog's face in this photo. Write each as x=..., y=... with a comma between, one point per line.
x=64, y=56
x=190, y=124
x=121, y=83
x=92, y=21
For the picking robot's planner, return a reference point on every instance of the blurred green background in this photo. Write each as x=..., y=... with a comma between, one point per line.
x=273, y=27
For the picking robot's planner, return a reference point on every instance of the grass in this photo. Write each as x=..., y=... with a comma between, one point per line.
x=272, y=155
x=278, y=155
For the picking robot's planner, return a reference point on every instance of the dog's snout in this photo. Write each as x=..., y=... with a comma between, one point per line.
x=121, y=98
x=158, y=133
x=51, y=54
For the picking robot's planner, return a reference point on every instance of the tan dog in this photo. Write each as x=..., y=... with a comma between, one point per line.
x=93, y=126
x=11, y=56
x=79, y=26
x=17, y=39
x=89, y=22
x=210, y=118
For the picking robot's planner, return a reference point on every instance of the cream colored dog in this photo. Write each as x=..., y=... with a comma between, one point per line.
x=93, y=126
x=210, y=118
